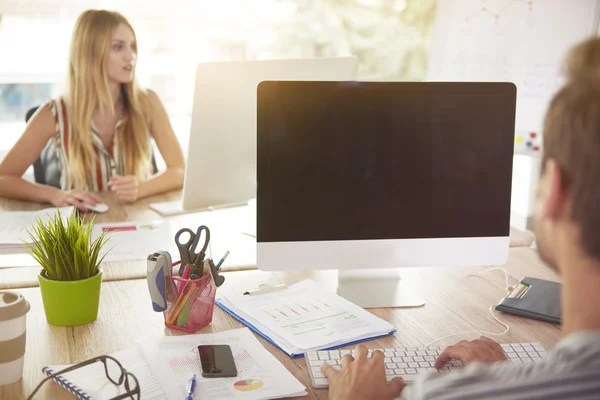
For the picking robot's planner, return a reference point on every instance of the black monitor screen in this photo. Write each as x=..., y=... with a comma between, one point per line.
x=383, y=160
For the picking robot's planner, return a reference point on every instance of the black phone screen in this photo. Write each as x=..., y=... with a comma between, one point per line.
x=217, y=360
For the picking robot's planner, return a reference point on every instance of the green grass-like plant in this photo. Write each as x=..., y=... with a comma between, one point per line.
x=63, y=248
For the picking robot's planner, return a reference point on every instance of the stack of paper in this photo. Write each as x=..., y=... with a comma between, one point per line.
x=14, y=226
x=174, y=359
x=304, y=317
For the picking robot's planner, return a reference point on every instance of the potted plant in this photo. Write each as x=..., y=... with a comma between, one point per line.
x=71, y=276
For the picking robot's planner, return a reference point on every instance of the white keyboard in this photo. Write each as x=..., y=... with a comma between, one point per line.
x=408, y=362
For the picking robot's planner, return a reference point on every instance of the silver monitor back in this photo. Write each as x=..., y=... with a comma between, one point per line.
x=221, y=163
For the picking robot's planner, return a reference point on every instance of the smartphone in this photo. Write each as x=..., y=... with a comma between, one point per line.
x=217, y=361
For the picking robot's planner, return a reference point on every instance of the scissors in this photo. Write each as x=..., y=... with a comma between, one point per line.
x=187, y=250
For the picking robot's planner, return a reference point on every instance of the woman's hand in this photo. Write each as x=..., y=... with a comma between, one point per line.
x=126, y=187
x=78, y=198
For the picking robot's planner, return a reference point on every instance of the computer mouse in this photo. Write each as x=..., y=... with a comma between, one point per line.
x=99, y=208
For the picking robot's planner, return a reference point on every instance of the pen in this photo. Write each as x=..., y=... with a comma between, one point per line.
x=189, y=389
x=222, y=259
x=263, y=289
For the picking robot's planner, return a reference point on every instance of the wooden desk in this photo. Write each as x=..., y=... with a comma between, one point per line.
x=455, y=302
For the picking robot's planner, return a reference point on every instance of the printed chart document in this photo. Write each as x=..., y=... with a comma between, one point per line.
x=305, y=317
x=15, y=224
x=135, y=240
x=90, y=382
x=174, y=359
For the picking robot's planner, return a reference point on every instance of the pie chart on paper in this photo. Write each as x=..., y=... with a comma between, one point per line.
x=248, y=385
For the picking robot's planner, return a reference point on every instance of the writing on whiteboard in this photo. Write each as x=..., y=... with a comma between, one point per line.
x=519, y=41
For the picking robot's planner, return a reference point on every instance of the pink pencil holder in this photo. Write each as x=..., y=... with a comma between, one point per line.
x=190, y=303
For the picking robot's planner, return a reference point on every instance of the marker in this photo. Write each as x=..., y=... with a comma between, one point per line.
x=189, y=389
x=222, y=259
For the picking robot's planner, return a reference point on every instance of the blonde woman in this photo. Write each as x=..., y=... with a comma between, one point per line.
x=98, y=136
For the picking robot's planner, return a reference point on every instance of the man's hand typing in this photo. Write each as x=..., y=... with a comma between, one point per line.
x=483, y=350
x=361, y=378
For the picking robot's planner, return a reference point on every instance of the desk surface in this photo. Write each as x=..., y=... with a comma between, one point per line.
x=455, y=302
x=223, y=233
x=20, y=270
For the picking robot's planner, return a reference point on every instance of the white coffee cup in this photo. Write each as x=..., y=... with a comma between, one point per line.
x=13, y=313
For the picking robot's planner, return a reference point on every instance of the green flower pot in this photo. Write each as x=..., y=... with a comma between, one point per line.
x=71, y=303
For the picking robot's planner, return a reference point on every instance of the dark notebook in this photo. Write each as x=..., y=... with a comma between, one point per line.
x=533, y=298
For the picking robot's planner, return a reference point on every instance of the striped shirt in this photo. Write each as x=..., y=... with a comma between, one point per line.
x=570, y=371
x=109, y=161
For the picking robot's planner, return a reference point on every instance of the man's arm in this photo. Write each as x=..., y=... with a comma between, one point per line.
x=363, y=378
x=475, y=381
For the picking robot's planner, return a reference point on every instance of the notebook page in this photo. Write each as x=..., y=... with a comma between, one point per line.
x=92, y=379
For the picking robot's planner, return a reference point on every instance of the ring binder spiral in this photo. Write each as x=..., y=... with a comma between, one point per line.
x=73, y=389
x=91, y=381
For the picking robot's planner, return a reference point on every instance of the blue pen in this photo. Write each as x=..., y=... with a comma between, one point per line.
x=191, y=386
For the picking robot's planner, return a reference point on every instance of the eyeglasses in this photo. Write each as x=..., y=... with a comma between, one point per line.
x=114, y=372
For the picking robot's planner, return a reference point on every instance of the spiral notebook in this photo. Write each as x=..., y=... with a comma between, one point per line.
x=90, y=382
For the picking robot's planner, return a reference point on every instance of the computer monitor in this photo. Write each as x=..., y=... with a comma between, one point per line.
x=221, y=163
x=382, y=175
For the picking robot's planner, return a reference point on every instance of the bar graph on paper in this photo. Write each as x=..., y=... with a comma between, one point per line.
x=310, y=317
x=292, y=309
x=185, y=366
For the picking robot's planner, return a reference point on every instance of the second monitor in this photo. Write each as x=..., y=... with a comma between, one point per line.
x=221, y=164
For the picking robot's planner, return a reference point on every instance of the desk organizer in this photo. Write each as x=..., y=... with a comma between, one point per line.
x=190, y=303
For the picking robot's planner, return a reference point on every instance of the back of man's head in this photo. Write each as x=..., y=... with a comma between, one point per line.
x=583, y=60
x=572, y=140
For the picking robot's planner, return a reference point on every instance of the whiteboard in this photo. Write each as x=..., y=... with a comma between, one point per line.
x=519, y=41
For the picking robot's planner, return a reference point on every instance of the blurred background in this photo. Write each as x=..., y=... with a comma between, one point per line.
x=391, y=38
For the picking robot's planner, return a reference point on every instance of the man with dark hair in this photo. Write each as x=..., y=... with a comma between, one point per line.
x=567, y=228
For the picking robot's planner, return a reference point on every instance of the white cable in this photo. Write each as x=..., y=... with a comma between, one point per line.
x=507, y=328
x=507, y=286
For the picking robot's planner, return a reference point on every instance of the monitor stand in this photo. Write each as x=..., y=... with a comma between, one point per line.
x=376, y=288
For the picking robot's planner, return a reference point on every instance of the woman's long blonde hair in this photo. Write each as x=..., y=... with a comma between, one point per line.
x=89, y=90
